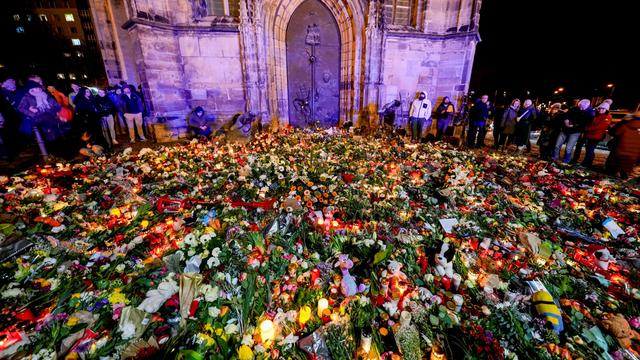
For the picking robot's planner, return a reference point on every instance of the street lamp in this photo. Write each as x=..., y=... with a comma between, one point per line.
x=612, y=87
x=560, y=89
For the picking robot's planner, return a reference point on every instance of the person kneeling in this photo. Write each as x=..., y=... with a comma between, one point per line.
x=198, y=123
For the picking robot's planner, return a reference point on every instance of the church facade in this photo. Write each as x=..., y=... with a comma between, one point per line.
x=300, y=61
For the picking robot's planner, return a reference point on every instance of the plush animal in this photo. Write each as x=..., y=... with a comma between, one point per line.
x=545, y=306
x=348, y=284
x=619, y=327
x=443, y=259
x=397, y=279
x=602, y=256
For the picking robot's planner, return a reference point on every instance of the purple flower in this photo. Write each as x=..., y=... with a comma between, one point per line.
x=617, y=355
x=635, y=322
x=98, y=305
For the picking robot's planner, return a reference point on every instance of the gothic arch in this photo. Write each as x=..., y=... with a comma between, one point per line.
x=350, y=18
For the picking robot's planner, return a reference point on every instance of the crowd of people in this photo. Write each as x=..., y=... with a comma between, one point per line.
x=581, y=126
x=85, y=122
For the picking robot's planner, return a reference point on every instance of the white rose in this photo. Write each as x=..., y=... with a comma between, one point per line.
x=214, y=311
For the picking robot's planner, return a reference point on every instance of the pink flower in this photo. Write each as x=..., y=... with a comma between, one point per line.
x=117, y=311
x=635, y=322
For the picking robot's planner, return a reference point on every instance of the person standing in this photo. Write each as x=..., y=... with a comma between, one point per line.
x=478, y=116
x=132, y=105
x=626, y=151
x=573, y=125
x=445, y=113
x=526, y=117
x=419, y=114
x=106, y=108
x=549, y=131
x=507, y=126
x=40, y=115
x=596, y=132
x=75, y=88
x=87, y=118
x=583, y=140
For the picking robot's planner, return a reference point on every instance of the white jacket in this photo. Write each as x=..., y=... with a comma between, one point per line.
x=421, y=108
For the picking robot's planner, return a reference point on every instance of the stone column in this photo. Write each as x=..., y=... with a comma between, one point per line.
x=254, y=56
x=373, y=57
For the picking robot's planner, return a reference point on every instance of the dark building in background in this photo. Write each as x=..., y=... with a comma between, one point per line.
x=55, y=39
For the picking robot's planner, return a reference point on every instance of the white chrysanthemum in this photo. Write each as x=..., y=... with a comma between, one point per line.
x=214, y=311
x=128, y=330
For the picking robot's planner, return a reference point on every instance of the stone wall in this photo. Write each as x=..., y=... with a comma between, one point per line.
x=441, y=66
x=213, y=71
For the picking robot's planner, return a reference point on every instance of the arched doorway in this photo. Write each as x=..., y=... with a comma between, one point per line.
x=313, y=66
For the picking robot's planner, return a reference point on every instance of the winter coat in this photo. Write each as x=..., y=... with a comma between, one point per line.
x=105, y=106
x=46, y=120
x=445, y=111
x=196, y=121
x=421, y=108
x=479, y=113
x=579, y=118
x=626, y=152
x=597, y=130
x=132, y=104
x=508, y=124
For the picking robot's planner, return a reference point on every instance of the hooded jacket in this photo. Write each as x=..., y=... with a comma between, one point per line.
x=421, y=108
x=196, y=121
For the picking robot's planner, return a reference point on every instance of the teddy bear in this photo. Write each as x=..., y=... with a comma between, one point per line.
x=619, y=327
x=602, y=256
x=443, y=259
x=348, y=285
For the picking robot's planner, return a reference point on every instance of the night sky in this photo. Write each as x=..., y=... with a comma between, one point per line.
x=540, y=45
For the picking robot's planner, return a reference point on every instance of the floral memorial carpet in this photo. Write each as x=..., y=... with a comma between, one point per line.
x=318, y=246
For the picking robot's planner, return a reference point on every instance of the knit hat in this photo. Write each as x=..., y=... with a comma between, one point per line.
x=604, y=105
x=556, y=106
x=30, y=84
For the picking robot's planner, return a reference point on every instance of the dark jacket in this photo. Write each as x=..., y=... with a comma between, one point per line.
x=445, y=111
x=508, y=123
x=196, y=121
x=105, y=105
x=133, y=104
x=46, y=119
x=578, y=118
x=479, y=113
x=626, y=152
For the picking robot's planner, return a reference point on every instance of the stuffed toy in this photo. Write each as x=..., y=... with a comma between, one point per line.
x=602, y=256
x=397, y=279
x=443, y=259
x=348, y=284
x=619, y=327
x=545, y=305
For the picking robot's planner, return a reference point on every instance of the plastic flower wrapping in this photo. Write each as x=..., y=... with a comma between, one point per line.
x=318, y=246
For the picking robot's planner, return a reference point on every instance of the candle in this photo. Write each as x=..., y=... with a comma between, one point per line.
x=304, y=315
x=267, y=331
x=323, y=304
x=437, y=353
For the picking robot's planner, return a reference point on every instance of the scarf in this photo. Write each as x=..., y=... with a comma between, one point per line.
x=42, y=101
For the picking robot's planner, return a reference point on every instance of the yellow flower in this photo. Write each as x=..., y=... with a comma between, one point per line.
x=72, y=321
x=75, y=296
x=208, y=328
x=245, y=353
x=117, y=297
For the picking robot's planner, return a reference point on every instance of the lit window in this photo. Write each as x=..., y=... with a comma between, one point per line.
x=75, y=42
x=223, y=7
x=20, y=30
x=69, y=17
x=16, y=17
x=399, y=12
x=79, y=53
x=60, y=76
x=43, y=17
x=85, y=76
x=28, y=17
x=67, y=54
x=72, y=76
